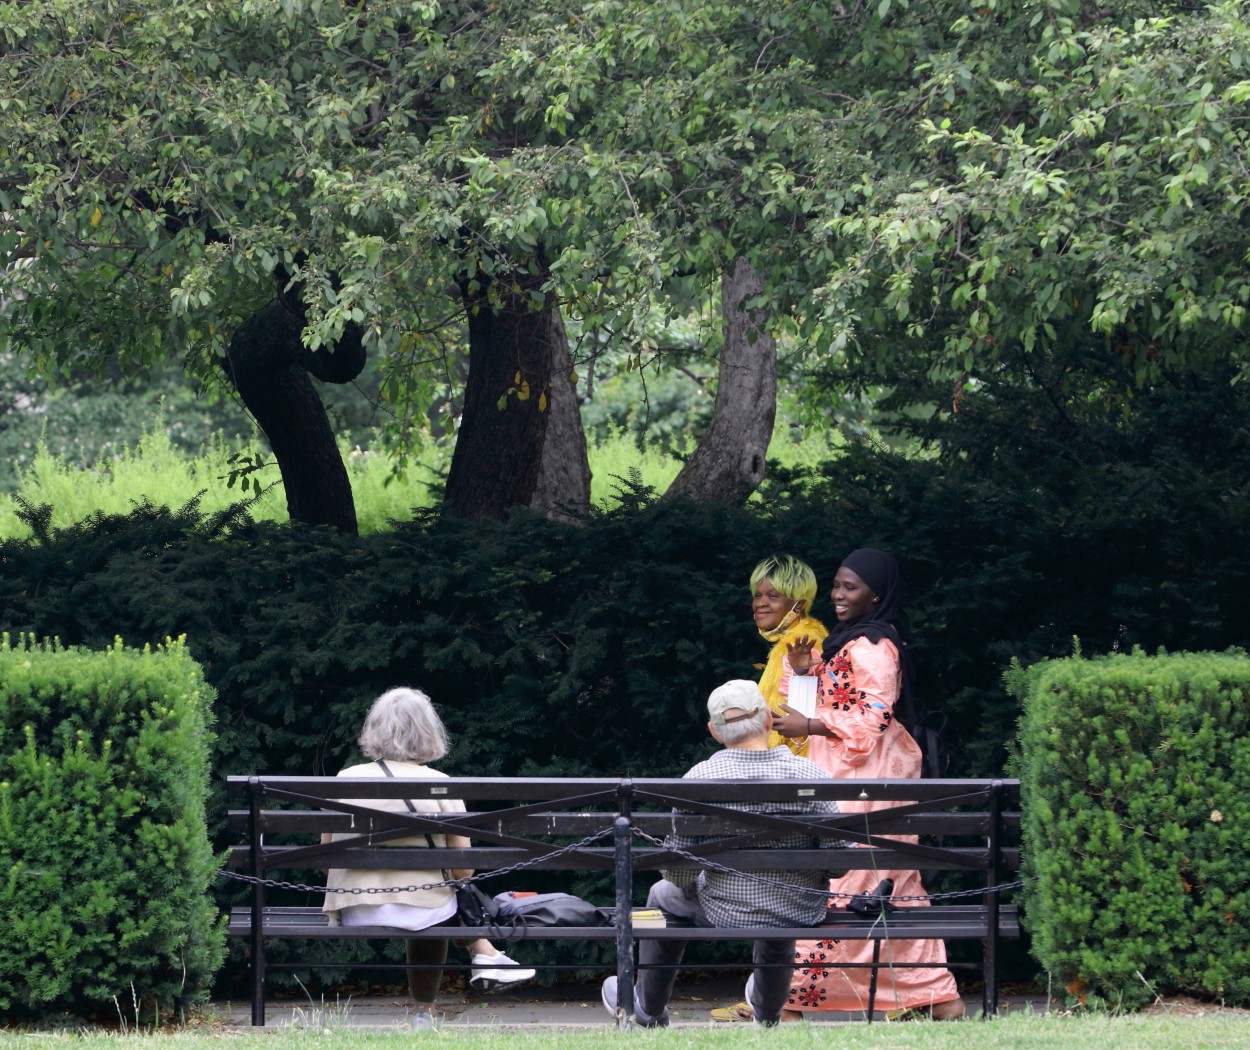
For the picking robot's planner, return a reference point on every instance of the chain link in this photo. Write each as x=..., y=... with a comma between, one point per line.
x=573, y=847
x=520, y=865
x=807, y=891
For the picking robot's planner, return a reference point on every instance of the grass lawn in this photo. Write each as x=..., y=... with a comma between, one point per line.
x=1157, y=1030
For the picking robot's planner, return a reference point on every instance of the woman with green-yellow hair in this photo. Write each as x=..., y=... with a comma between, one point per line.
x=782, y=590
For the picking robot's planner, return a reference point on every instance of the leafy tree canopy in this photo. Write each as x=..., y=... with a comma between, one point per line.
x=943, y=179
x=161, y=164
x=1067, y=168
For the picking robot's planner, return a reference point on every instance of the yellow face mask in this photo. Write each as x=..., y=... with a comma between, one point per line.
x=787, y=621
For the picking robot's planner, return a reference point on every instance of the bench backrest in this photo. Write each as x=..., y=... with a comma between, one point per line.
x=967, y=825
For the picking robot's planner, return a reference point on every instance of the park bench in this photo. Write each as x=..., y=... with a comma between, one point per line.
x=617, y=826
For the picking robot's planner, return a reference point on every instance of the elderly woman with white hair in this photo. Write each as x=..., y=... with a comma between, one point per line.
x=402, y=733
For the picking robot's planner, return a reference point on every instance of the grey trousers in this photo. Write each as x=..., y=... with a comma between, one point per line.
x=774, y=962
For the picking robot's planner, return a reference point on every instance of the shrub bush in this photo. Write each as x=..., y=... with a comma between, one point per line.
x=103, y=848
x=1135, y=773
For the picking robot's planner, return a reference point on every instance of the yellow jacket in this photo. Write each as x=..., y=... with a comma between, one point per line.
x=775, y=681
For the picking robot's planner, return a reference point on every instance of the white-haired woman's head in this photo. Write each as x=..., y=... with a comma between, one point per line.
x=403, y=726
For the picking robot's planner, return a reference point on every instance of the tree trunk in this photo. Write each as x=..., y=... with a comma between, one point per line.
x=563, y=492
x=728, y=464
x=507, y=399
x=269, y=366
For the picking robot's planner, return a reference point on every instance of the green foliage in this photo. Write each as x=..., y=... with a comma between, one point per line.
x=1046, y=511
x=154, y=471
x=914, y=182
x=104, y=771
x=1058, y=500
x=1045, y=516
x=86, y=421
x=661, y=410
x=1136, y=779
x=379, y=162
x=1062, y=167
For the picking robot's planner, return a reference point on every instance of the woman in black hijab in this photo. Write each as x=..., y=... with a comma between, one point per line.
x=859, y=729
x=878, y=572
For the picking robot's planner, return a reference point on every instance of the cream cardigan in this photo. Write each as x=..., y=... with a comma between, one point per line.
x=387, y=878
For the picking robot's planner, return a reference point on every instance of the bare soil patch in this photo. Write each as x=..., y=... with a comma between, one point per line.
x=1187, y=1006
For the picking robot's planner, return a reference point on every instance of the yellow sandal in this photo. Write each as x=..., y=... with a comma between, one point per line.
x=950, y=1010
x=737, y=1012
x=743, y=1012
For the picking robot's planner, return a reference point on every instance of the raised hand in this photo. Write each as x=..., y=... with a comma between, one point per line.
x=799, y=653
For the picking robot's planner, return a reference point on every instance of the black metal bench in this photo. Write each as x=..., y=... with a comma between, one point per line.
x=617, y=825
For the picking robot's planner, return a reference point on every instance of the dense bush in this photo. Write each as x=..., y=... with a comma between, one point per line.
x=1058, y=500
x=104, y=771
x=1136, y=779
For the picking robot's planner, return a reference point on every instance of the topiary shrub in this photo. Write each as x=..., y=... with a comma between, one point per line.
x=105, y=862
x=1135, y=773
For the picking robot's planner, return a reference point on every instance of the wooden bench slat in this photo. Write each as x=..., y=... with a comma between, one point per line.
x=580, y=825
x=948, y=922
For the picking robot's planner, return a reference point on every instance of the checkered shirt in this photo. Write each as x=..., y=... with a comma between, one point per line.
x=732, y=900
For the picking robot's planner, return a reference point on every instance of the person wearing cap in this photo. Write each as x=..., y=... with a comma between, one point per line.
x=739, y=720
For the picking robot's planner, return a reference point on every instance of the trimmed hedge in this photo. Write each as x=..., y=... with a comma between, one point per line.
x=105, y=862
x=1135, y=773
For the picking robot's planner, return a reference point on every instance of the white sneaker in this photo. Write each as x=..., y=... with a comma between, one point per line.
x=608, y=994
x=495, y=971
x=423, y=1021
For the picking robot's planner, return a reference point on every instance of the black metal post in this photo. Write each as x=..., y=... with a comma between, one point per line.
x=989, y=1004
x=258, y=903
x=622, y=835
x=872, y=978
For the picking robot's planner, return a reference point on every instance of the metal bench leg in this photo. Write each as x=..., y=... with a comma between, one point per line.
x=623, y=837
x=258, y=907
x=872, y=979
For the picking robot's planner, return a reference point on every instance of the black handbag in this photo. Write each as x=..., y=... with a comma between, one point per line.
x=474, y=908
x=876, y=904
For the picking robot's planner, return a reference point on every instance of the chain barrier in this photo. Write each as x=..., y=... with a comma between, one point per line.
x=520, y=865
x=589, y=840
x=807, y=891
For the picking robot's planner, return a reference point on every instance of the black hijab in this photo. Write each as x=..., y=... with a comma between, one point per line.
x=879, y=571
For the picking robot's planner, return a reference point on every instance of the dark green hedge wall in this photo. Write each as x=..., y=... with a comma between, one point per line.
x=1136, y=778
x=591, y=650
x=104, y=773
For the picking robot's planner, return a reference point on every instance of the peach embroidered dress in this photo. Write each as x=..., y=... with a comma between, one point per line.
x=858, y=689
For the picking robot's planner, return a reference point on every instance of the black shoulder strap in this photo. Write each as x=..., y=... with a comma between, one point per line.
x=408, y=803
x=387, y=770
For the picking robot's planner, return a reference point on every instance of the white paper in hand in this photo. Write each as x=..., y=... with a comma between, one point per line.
x=803, y=694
